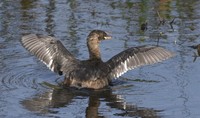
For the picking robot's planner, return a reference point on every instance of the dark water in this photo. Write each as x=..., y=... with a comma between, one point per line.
x=169, y=89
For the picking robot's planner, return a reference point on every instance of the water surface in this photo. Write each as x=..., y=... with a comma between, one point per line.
x=168, y=90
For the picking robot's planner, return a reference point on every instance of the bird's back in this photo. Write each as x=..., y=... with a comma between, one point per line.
x=89, y=74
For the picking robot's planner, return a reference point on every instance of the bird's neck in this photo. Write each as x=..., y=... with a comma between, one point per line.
x=94, y=51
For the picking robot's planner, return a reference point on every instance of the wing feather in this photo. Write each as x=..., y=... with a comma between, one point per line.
x=136, y=57
x=50, y=51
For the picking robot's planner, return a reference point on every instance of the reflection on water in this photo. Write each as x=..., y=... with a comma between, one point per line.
x=44, y=103
x=169, y=89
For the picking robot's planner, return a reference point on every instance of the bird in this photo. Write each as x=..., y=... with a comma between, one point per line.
x=197, y=47
x=92, y=73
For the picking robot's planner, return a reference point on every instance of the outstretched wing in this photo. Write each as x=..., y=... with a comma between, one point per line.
x=50, y=51
x=135, y=57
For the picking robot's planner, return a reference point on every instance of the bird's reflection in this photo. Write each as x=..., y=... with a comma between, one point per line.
x=44, y=103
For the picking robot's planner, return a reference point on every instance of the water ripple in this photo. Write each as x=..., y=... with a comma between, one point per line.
x=14, y=80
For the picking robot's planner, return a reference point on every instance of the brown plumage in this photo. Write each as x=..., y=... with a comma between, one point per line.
x=92, y=73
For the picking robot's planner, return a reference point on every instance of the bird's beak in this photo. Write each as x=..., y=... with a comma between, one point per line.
x=107, y=37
